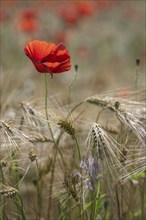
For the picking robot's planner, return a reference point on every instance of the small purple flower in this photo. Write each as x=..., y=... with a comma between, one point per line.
x=93, y=168
x=83, y=165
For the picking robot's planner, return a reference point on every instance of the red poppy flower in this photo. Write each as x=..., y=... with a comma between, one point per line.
x=69, y=14
x=48, y=57
x=85, y=8
x=29, y=13
x=29, y=26
x=28, y=21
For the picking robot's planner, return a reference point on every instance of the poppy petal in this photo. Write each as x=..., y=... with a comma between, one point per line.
x=38, y=49
x=41, y=67
x=63, y=67
x=59, y=54
x=52, y=66
x=57, y=67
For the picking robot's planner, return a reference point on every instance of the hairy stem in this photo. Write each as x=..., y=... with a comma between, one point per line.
x=46, y=107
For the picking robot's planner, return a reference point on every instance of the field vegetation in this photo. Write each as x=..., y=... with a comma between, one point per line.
x=73, y=118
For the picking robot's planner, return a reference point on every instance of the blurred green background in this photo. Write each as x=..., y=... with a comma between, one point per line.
x=104, y=39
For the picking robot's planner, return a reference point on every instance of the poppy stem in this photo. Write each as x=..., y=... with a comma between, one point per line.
x=46, y=107
x=55, y=148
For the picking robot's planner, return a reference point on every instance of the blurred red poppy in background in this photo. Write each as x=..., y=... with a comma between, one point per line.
x=28, y=21
x=69, y=14
x=48, y=57
x=86, y=8
x=29, y=13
